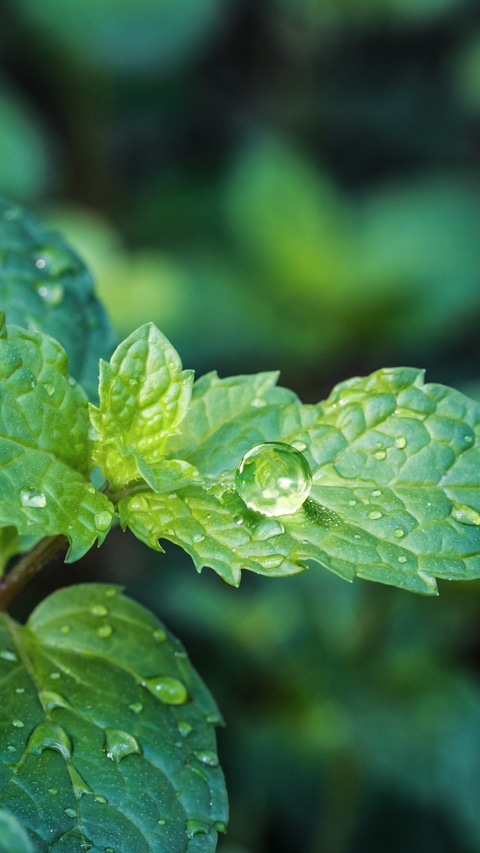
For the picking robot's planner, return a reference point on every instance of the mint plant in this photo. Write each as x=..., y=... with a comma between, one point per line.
x=107, y=734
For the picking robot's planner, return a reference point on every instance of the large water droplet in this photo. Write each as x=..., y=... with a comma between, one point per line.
x=273, y=478
x=32, y=497
x=119, y=744
x=169, y=690
x=465, y=514
x=400, y=442
x=47, y=735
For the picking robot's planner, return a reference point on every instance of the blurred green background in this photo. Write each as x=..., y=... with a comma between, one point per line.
x=289, y=184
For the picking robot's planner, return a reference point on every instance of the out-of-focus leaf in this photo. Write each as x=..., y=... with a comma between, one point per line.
x=45, y=286
x=25, y=164
x=108, y=736
x=13, y=838
x=131, y=36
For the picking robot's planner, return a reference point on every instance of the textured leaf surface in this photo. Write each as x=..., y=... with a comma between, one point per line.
x=13, y=838
x=107, y=738
x=44, y=448
x=396, y=481
x=45, y=286
x=144, y=394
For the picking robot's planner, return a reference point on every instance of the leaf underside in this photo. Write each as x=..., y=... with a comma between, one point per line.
x=107, y=738
x=396, y=481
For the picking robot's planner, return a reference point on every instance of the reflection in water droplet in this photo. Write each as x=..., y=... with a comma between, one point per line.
x=196, y=827
x=380, y=454
x=47, y=735
x=119, y=744
x=169, y=690
x=6, y=654
x=402, y=559
x=273, y=478
x=376, y=493
x=352, y=503
x=105, y=631
x=18, y=724
x=98, y=610
x=465, y=514
x=53, y=792
x=401, y=442
x=70, y=812
x=32, y=497
x=160, y=635
x=161, y=822
x=374, y=513
x=207, y=757
x=398, y=532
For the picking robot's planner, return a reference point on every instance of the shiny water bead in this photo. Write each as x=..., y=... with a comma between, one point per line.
x=274, y=478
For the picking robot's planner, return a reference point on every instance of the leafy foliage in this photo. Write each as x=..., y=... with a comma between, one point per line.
x=107, y=731
x=13, y=838
x=44, y=447
x=45, y=286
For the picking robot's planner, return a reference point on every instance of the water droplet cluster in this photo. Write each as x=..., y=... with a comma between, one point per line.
x=274, y=479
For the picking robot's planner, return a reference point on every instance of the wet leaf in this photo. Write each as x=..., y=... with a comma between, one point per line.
x=107, y=738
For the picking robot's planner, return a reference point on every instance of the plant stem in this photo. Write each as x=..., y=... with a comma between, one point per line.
x=27, y=567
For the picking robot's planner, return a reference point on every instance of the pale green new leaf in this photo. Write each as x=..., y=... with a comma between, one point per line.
x=396, y=482
x=144, y=394
x=13, y=838
x=45, y=286
x=107, y=738
x=44, y=448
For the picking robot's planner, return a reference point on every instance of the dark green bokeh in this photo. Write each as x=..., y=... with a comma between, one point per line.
x=282, y=184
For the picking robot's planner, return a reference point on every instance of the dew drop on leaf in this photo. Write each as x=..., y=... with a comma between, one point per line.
x=159, y=635
x=184, y=728
x=398, y=533
x=220, y=826
x=465, y=514
x=6, y=654
x=51, y=293
x=195, y=827
x=70, y=812
x=136, y=707
x=169, y=690
x=98, y=610
x=119, y=744
x=32, y=497
x=19, y=724
x=380, y=454
x=273, y=478
x=207, y=757
x=402, y=559
x=47, y=735
x=50, y=700
x=401, y=442
x=374, y=514
x=105, y=631
x=102, y=520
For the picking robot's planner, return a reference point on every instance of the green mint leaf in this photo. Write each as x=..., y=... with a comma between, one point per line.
x=108, y=738
x=395, y=493
x=44, y=447
x=144, y=395
x=13, y=838
x=45, y=286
